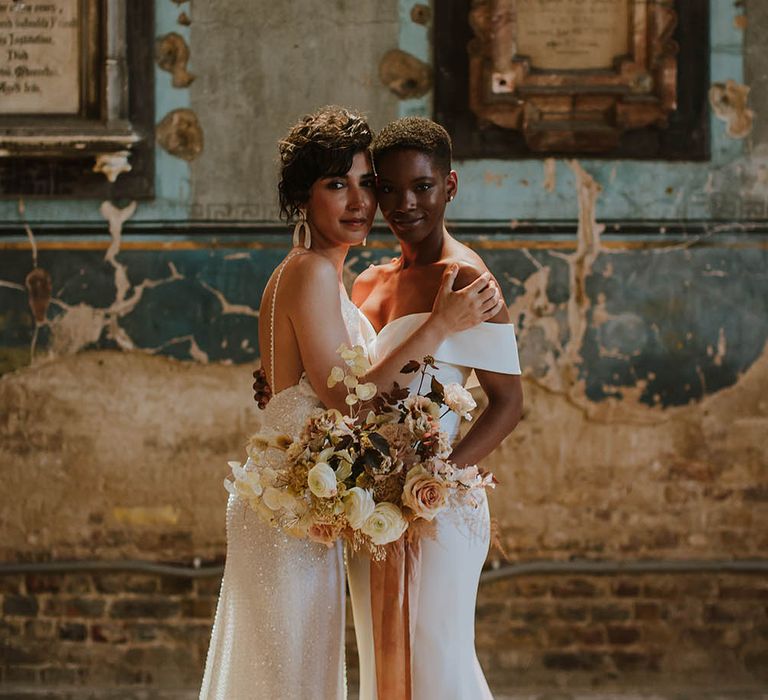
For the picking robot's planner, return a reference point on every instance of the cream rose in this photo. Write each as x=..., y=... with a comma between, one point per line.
x=424, y=494
x=459, y=400
x=322, y=480
x=386, y=524
x=358, y=506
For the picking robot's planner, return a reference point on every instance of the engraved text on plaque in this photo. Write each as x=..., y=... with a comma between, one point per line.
x=40, y=57
x=572, y=34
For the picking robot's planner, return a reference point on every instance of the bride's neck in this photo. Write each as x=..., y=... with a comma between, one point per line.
x=337, y=254
x=425, y=252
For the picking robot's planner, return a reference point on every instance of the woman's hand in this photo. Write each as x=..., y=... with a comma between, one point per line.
x=457, y=311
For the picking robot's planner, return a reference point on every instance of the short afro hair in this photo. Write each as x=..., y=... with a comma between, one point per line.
x=419, y=134
x=322, y=144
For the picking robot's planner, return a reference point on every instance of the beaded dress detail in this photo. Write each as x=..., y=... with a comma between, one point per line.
x=279, y=627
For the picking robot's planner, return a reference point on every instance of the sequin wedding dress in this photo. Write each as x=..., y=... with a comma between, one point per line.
x=279, y=627
x=443, y=663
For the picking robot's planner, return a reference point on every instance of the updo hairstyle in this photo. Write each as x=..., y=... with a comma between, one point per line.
x=322, y=144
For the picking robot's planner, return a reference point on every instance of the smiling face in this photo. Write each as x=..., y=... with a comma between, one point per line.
x=340, y=209
x=413, y=193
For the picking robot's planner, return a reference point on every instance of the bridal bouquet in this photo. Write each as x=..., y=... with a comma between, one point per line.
x=365, y=476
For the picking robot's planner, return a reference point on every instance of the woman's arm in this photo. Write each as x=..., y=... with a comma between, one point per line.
x=315, y=312
x=452, y=312
x=505, y=404
x=501, y=415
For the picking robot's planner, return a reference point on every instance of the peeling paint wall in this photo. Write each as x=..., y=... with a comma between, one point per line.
x=126, y=357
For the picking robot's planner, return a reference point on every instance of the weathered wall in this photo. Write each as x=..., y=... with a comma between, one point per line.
x=263, y=65
x=644, y=352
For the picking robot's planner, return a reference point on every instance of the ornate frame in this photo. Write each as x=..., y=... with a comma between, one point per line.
x=561, y=112
x=107, y=149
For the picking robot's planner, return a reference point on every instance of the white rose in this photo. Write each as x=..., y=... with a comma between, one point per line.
x=459, y=400
x=358, y=506
x=386, y=524
x=322, y=480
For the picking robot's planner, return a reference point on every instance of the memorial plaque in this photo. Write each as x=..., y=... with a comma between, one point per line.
x=40, y=57
x=573, y=34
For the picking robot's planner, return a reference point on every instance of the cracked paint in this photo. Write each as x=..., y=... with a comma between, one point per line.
x=180, y=134
x=172, y=55
x=229, y=308
x=404, y=74
x=729, y=102
x=550, y=175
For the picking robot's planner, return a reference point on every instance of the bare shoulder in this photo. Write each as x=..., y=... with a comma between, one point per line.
x=471, y=266
x=367, y=280
x=307, y=274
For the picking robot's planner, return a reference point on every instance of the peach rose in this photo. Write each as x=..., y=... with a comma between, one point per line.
x=424, y=494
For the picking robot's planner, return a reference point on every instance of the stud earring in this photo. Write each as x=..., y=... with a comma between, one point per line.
x=302, y=223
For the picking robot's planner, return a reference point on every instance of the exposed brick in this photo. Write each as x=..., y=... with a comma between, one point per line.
x=572, y=613
x=573, y=661
x=210, y=585
x=609, y=612
x=757, y=494
x=21, y=605
x=705, y=636
x=626, y=589
x=108, y=633
x=647, y=611
x=73, y=631
x=144, y=607
x=530, y=588
x=574, y=588
x=176, y=585
x=13, y=654
x=39, y=629
x=198, y=608
x=591, y=635
x=530, y=612
x=11, y=584
x=43, y=583
x=560, y=636
x=20, y=674
x=144, y=632
x=491, y=611
x=623, y=635
x=75, y=607
x=756, y=663
x=755, y=592
x=121, y=582
x=636, y=661
x=60, y=675
x=723, y=613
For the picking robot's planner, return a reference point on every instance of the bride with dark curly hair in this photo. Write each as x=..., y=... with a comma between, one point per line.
x=279, y=627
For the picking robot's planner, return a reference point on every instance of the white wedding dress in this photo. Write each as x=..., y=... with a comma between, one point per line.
x=279, y=627
x=444, y=663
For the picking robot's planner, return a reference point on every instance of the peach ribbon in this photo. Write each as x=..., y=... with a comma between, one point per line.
x=394, y=595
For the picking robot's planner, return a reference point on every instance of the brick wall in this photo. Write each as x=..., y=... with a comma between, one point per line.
x=649, y=631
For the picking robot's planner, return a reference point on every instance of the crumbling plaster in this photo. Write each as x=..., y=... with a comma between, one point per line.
x=645, y=359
